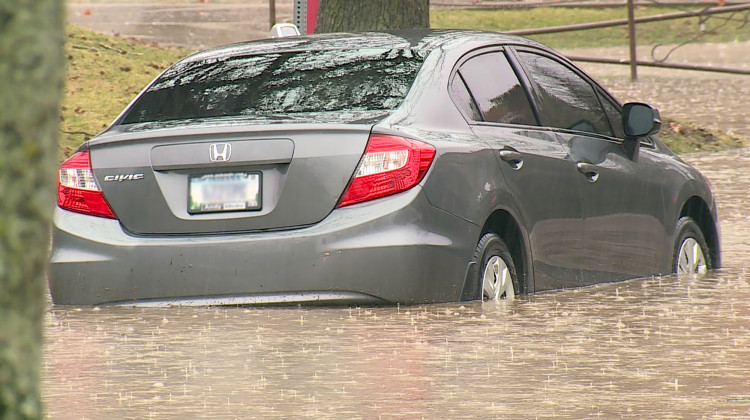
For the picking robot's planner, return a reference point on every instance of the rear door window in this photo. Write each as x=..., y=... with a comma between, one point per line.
x=567, y=100
x=495, y=88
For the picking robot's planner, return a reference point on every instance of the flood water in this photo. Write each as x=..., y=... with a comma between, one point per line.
x=653, y=348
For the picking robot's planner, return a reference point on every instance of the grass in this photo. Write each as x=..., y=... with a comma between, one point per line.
x=684, y=137
x=106, y=72
x=716, y=29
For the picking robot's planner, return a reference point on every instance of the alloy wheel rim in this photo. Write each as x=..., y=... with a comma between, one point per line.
x=496, y=280
x=691, y=259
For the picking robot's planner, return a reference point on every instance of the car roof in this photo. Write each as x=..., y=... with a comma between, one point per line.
x=417, y=39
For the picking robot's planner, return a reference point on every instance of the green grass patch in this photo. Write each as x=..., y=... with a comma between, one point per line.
x=683, y=137
x=664, y=32
x=104, y=73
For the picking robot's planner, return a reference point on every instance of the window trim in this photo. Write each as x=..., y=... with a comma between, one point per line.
x=457, y=76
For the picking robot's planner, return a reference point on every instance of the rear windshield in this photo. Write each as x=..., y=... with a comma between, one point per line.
x=293, y=82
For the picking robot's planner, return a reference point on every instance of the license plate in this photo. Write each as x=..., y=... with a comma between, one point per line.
x=239, y=191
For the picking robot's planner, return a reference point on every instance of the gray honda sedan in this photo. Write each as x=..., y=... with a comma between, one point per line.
x=373, y=168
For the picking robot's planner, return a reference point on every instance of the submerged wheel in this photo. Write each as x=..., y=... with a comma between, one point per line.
x=496, y=271
x=691, y=252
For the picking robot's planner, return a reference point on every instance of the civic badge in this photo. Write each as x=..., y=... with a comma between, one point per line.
x=220, y=152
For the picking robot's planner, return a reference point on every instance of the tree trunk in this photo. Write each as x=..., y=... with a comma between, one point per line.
x=31, y=80
x=366, y=15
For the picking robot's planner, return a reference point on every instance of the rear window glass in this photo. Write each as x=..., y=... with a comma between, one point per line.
x=293, y=82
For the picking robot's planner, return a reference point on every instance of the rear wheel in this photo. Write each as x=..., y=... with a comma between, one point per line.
x=691, y=252
x=496, y=270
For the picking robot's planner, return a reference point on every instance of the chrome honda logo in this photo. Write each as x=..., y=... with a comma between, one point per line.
x=220, y=152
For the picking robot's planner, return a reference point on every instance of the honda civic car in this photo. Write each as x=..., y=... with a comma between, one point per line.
x=373, y=168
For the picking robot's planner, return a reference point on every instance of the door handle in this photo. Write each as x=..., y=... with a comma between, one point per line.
x=514, y=158
x=589, y=170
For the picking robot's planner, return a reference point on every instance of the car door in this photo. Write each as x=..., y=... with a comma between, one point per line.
x=532, y=162
x=621, y=195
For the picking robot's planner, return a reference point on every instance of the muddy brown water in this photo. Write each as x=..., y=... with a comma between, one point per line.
x=650, y=348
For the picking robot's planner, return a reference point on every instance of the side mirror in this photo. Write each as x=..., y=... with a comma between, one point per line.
x=640, y=120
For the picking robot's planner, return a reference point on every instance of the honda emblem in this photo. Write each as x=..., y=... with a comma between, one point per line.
x=220, y=152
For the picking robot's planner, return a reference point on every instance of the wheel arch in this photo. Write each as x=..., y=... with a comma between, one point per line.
x=505, y=225
x=697, y=209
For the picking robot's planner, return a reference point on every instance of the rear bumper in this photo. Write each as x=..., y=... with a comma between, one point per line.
x=396, y=249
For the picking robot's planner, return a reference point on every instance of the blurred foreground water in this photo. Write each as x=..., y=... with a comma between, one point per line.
x=651, y=348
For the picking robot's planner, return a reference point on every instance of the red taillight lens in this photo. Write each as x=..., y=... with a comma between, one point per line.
x=77, y=189
x=390, y=165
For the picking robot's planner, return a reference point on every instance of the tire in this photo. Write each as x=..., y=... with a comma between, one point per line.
x=496, y=273
x=690, y=254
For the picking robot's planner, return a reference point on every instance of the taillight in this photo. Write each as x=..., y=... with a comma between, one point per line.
x=390, y=165
x=77, y=189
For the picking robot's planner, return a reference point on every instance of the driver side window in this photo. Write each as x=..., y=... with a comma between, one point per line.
x=567, y=100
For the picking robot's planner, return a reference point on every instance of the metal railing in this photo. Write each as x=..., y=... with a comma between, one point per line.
x=631, y=21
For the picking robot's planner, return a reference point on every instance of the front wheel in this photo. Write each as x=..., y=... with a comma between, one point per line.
x=496, y=270
x=691, y=252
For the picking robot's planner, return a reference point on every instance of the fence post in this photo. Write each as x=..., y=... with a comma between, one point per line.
x=631, y=36
x=300, y=15
x=272, y=12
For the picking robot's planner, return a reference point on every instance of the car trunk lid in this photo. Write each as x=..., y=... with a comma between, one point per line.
x=231, y=179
